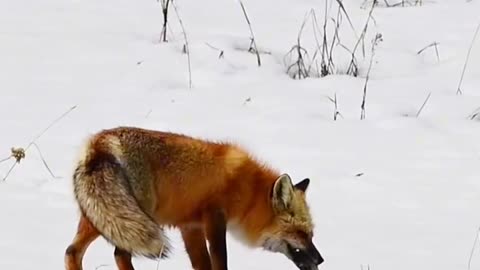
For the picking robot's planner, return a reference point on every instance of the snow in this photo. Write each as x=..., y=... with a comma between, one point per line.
x=393, y=191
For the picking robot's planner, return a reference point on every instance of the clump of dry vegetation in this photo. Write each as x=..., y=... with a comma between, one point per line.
x=329, y=51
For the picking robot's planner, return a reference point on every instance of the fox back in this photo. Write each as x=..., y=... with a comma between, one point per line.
x=172, y=175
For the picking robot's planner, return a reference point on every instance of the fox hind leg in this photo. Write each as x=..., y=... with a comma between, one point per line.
x=123, y=259
x=195, y=244
x=86, y=234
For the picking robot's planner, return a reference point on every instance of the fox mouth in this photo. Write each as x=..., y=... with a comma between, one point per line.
x=310, y=267
x=305, y=259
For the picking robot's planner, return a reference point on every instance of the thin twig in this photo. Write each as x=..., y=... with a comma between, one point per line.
x=336, y=38
x=325, y=53
x=474, y=114
x=435, y=45
x=187, y=46
x=334, y=101
x=221, y=54
x=254, y=43
x=336, y=113
x=5, y=159
x=148, y=113
x=436, y=52
x=45, y=162
x=165, y=4
x=375, y=42
x=473, y=248
x=322, y=71
x=19, y=153
x=459, y=91
x=342, y=7
x=302, y=70
x=9, y=171
x=423, y=105
x=352, y=69
x=49, y=126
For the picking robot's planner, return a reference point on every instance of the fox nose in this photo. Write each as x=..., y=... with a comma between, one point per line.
x=317, y=258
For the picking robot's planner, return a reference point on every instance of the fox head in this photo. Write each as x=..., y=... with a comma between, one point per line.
x=291, y=231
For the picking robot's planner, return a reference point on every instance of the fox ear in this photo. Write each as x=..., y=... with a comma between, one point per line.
x=282, y=193
x=303, y=185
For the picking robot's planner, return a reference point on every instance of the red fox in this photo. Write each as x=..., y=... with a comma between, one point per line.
x=130, y=183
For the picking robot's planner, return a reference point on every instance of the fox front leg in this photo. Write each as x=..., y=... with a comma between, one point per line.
x=215, y=232
x=195, y=244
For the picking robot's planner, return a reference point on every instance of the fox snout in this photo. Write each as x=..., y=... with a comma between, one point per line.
x=305, y=259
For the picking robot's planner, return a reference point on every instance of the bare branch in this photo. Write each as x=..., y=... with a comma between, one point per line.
x=254, y=43
x=165, y=4
x=187, y=46
x=19, y=153
x=351, y=69
x=475, y=242
x=423, y=105
x=5, y=159
x=435, y=45
x=49, y=126
x=9, y=171
x=221, y=54
x=45, y=162
x=459, y=91
x=377, y=39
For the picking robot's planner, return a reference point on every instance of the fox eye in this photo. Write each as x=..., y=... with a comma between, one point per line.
x=302, y=234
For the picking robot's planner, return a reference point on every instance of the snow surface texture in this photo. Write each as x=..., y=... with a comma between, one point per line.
x=390, y=192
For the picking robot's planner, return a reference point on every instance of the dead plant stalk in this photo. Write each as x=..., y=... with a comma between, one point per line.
x=375, y=42
x=186, y=46
x=165, y=4
x=459, y=91
x=253, y=45
x=19, y=153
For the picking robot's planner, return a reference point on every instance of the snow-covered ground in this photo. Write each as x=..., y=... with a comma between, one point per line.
x=391, y=192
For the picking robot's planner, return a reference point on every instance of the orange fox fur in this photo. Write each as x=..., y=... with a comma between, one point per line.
x=130, y=182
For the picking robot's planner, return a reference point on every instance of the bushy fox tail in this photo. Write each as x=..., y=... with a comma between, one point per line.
x=103, y=192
